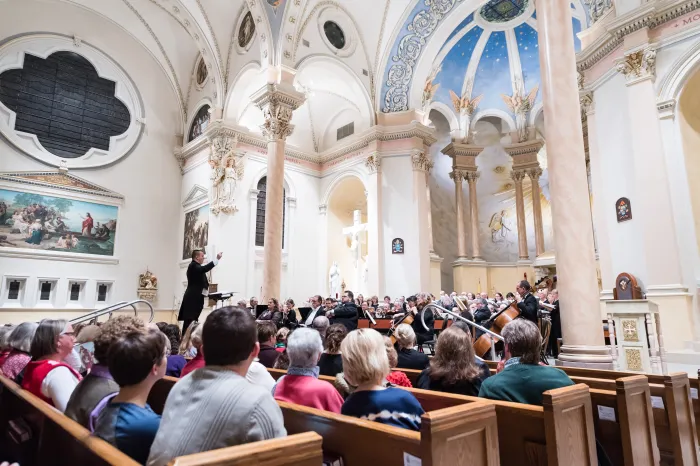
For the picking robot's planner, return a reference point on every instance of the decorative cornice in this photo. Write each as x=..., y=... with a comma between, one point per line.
x=527, y=147
x=456, y=149
x=647, y=16
x=60, y=180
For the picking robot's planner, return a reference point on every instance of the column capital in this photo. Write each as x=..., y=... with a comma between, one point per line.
x=587, y=104
x=421, y=161
x=373, y=162
x=518, y=175
x=322, y=209
x=277, y=103
x=458, y=175
x=638, y=65
x=534, y=173
x=472, y=176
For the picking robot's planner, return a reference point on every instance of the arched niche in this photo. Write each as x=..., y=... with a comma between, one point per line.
x=688, y=118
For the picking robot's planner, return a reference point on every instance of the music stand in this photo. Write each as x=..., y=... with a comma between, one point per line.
x=220, y=297
x=304, y=312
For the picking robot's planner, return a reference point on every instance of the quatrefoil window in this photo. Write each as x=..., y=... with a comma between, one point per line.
x=63, y=101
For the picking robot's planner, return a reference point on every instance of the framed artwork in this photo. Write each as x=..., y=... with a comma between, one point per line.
x=246, y=31
x=202, y=73
x=196, y=231
x=33, y=221
x=623, y=209
x=397, y=246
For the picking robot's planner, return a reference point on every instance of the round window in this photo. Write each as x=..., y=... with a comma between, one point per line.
x=334, y=34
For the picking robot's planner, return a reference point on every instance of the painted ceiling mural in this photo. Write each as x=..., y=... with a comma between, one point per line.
x=490, y=56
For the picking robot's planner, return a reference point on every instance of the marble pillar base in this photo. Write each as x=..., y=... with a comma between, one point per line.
x=470, y=275
x=435, y=274
x=594, y=357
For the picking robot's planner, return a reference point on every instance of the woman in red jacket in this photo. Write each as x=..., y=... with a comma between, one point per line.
x=46, y=375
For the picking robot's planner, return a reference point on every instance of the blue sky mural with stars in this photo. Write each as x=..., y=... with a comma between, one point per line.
x=454, y=66
x=493, y=73
x=529, y=51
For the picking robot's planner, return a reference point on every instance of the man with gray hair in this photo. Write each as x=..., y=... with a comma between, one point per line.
x=301, y=385
x=523, y=379
x=321, y=324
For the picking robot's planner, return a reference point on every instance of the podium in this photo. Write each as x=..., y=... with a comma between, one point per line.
x=636, y=344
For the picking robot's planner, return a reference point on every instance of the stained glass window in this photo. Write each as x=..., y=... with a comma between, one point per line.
x=260, y=214
x=501, y=11
x=199, y=124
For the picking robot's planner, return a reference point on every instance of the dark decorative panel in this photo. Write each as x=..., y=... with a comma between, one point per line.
x=75, y=292
x=63, y=101
x=260, y=213
x=199, y=124
x=45, y=294
x=13, y=292
x=102, y=292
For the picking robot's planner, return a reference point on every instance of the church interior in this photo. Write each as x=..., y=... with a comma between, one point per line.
x=441, y=149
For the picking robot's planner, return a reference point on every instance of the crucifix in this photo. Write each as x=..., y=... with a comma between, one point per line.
x=356, y=245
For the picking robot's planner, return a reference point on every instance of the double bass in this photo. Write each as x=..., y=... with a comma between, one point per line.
x=482, y=345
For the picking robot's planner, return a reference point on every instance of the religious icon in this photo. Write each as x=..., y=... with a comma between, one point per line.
x=202, y=72
x=246, y=31
x=623, y=208
x=397, y=246
x=274, y=3
x=497, y=225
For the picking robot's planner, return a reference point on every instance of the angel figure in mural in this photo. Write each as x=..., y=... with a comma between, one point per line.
x=520, y=105
x=465, y=108
x=430, y=88
x=497, y=225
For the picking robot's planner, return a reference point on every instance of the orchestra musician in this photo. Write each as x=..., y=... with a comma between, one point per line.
x=527, y=303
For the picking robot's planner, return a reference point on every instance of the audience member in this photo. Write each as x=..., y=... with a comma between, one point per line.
x=453, y=369
x=395, y=377
x=259, y=375
x=85, y=340
x=267, y=339
x=175, y=361
x=196, y=340
x=216, y=407
x=321, y=324
x=20, y=342
x=187, y=349
x=409, y=358
x=290, y=315
x=5, y=348
x=317, y=310
x=282, y=361
x=273, y=312
x=331, y=362
x=99, y=383
x=523, y=380
x=366, y=366
x=347, y=313
x=281, y=339
x=47, y=376
x=136, y=361
x=301, y=385
x=161, y=326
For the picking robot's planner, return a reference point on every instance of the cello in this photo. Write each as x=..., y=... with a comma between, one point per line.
x=482, y=345
x=406, y=319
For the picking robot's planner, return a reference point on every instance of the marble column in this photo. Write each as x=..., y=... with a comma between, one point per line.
x=534, y=174
x=421, y=167
x=472, y=176
x=518, y=176
x=277, y=102
x=575, y=258
x=375, y=232
x=458, y=176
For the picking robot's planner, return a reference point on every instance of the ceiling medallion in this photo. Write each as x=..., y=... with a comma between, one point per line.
x=502, y=11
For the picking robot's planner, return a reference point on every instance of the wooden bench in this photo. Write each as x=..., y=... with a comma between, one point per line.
x=674, y=408
x=529, y=435
x=40, y=435
x=446, y=434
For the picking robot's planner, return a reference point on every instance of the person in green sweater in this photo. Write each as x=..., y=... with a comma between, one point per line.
x=523, y=380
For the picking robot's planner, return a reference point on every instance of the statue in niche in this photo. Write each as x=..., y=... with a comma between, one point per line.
x=334, y=280
x=227, y=168
x=148, y=286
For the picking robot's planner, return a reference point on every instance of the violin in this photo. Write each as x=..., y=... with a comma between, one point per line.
x=405, y=319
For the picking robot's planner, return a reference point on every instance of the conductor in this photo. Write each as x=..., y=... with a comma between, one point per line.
x=197, y=288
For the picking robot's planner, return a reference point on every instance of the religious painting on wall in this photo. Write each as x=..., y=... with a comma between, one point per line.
x=196, y=231
x=397, y=246
x=623, y=209
x=246, y=31
x=202, y=72
x=51, y=223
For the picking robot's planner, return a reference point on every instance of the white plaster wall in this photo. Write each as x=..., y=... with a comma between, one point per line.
x=240, y=269
x=442, y=200
x=148, y=178
x=625, y=240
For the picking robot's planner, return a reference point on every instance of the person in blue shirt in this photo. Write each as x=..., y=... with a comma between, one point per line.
x=365, y=366
x=136, y=361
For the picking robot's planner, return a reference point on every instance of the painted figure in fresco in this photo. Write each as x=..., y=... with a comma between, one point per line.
x=88, y=223
x=497, y=225
x=36, y=233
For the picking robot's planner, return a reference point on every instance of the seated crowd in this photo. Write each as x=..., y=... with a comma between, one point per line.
x=226, y=395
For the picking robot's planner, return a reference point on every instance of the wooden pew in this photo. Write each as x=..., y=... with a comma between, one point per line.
x=522, y=433
x=51, y=438
x=445, y=436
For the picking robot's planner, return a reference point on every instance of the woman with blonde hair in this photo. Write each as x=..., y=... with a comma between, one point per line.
x=187, y=348
x=395, y=377
x=454, y=368
x=409, y=358
x=366, y=366
x=196, y=340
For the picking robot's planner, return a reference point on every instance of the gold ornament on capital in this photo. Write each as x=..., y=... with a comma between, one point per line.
x=639, y=64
